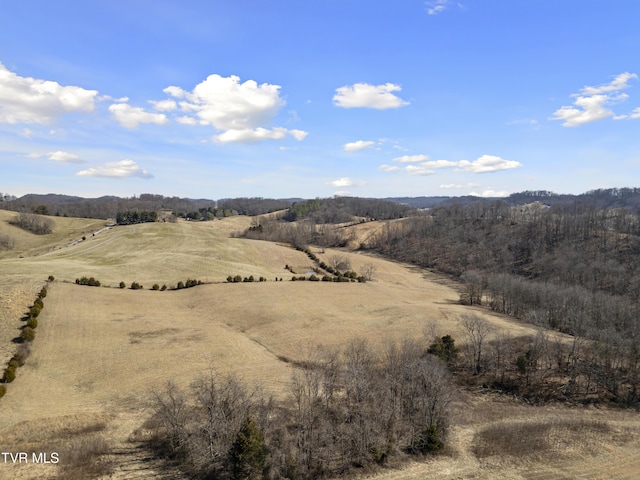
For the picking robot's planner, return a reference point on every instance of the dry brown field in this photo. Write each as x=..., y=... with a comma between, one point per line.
x=100, y=352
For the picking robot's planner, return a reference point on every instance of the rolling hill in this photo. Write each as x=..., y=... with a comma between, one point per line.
x=100, y=352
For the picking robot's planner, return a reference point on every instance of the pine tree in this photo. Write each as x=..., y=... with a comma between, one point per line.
x=247, y=454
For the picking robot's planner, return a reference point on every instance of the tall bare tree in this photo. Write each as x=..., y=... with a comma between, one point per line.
x=477, y=330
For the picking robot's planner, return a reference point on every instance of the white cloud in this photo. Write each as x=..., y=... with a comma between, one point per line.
x=419, y=170
x=618, y=83
x=250, y=136
x=102, y=98
x=458, y=186
x=30, y=100
x=435, y=7
x=635, y=114
x=257, y=135
x=587, y=109
x=357, y=145
x=341, y=182
x=65, y=157
x=27, y=133
x=131, y=117
x=483, y=164
x=487, y=163
x=411, y=159
x=363, y=95
x=175, y=92
x=298, y=134
x=490, y=193
x=440, y=164
x=592, y=103
x=227, y=104
x=389, y=168
x=184, y=120
x=121, y=169
x=239, y=110
x=164, y=105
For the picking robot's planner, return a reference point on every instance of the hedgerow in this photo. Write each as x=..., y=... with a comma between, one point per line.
x=91, y=282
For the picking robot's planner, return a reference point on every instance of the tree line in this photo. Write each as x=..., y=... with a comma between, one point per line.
x=571, y=267
x=344, y=209
x=131, y=217
x=108, y=206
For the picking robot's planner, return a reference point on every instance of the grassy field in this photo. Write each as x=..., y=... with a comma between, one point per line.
x=99, y=352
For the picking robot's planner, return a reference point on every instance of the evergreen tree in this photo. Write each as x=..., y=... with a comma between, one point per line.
x=247, y=454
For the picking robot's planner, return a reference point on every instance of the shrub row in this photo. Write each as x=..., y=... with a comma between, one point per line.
x=350, y=274
x=92, y=282
x=188, y=284
x=324, y=278
x=251, y=278
x=27, y=335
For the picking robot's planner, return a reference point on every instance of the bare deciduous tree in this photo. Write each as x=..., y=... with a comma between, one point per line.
x=340, y=262
x=34, y=223
x=473, y=287
x=368, y=271
x=477, y=330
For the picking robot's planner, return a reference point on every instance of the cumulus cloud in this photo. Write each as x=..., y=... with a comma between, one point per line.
x=164, y=105
x=30, y=100
x=585, y=110
x=238, y=110
x=389, y=168
x=358, y=145
x=59, y=156
x=341, y=182
x=411, y=159
x=363, y=95
x=184, y=120
x=422, y=165
x=121, y=169
x=298, y=134
x=131, y=117
x=487, y=163
x=440, y=164
x=258, y=135
x=592, y=103
x=227, y=104
x=64, y=157
x=635, y=114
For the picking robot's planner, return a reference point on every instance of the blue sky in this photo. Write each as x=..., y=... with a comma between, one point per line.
x=313, y=98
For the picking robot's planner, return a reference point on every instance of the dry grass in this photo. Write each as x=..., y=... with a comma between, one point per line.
x=99, y=351
x=542, y=438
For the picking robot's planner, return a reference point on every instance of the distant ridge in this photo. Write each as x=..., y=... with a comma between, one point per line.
x=107, y=206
